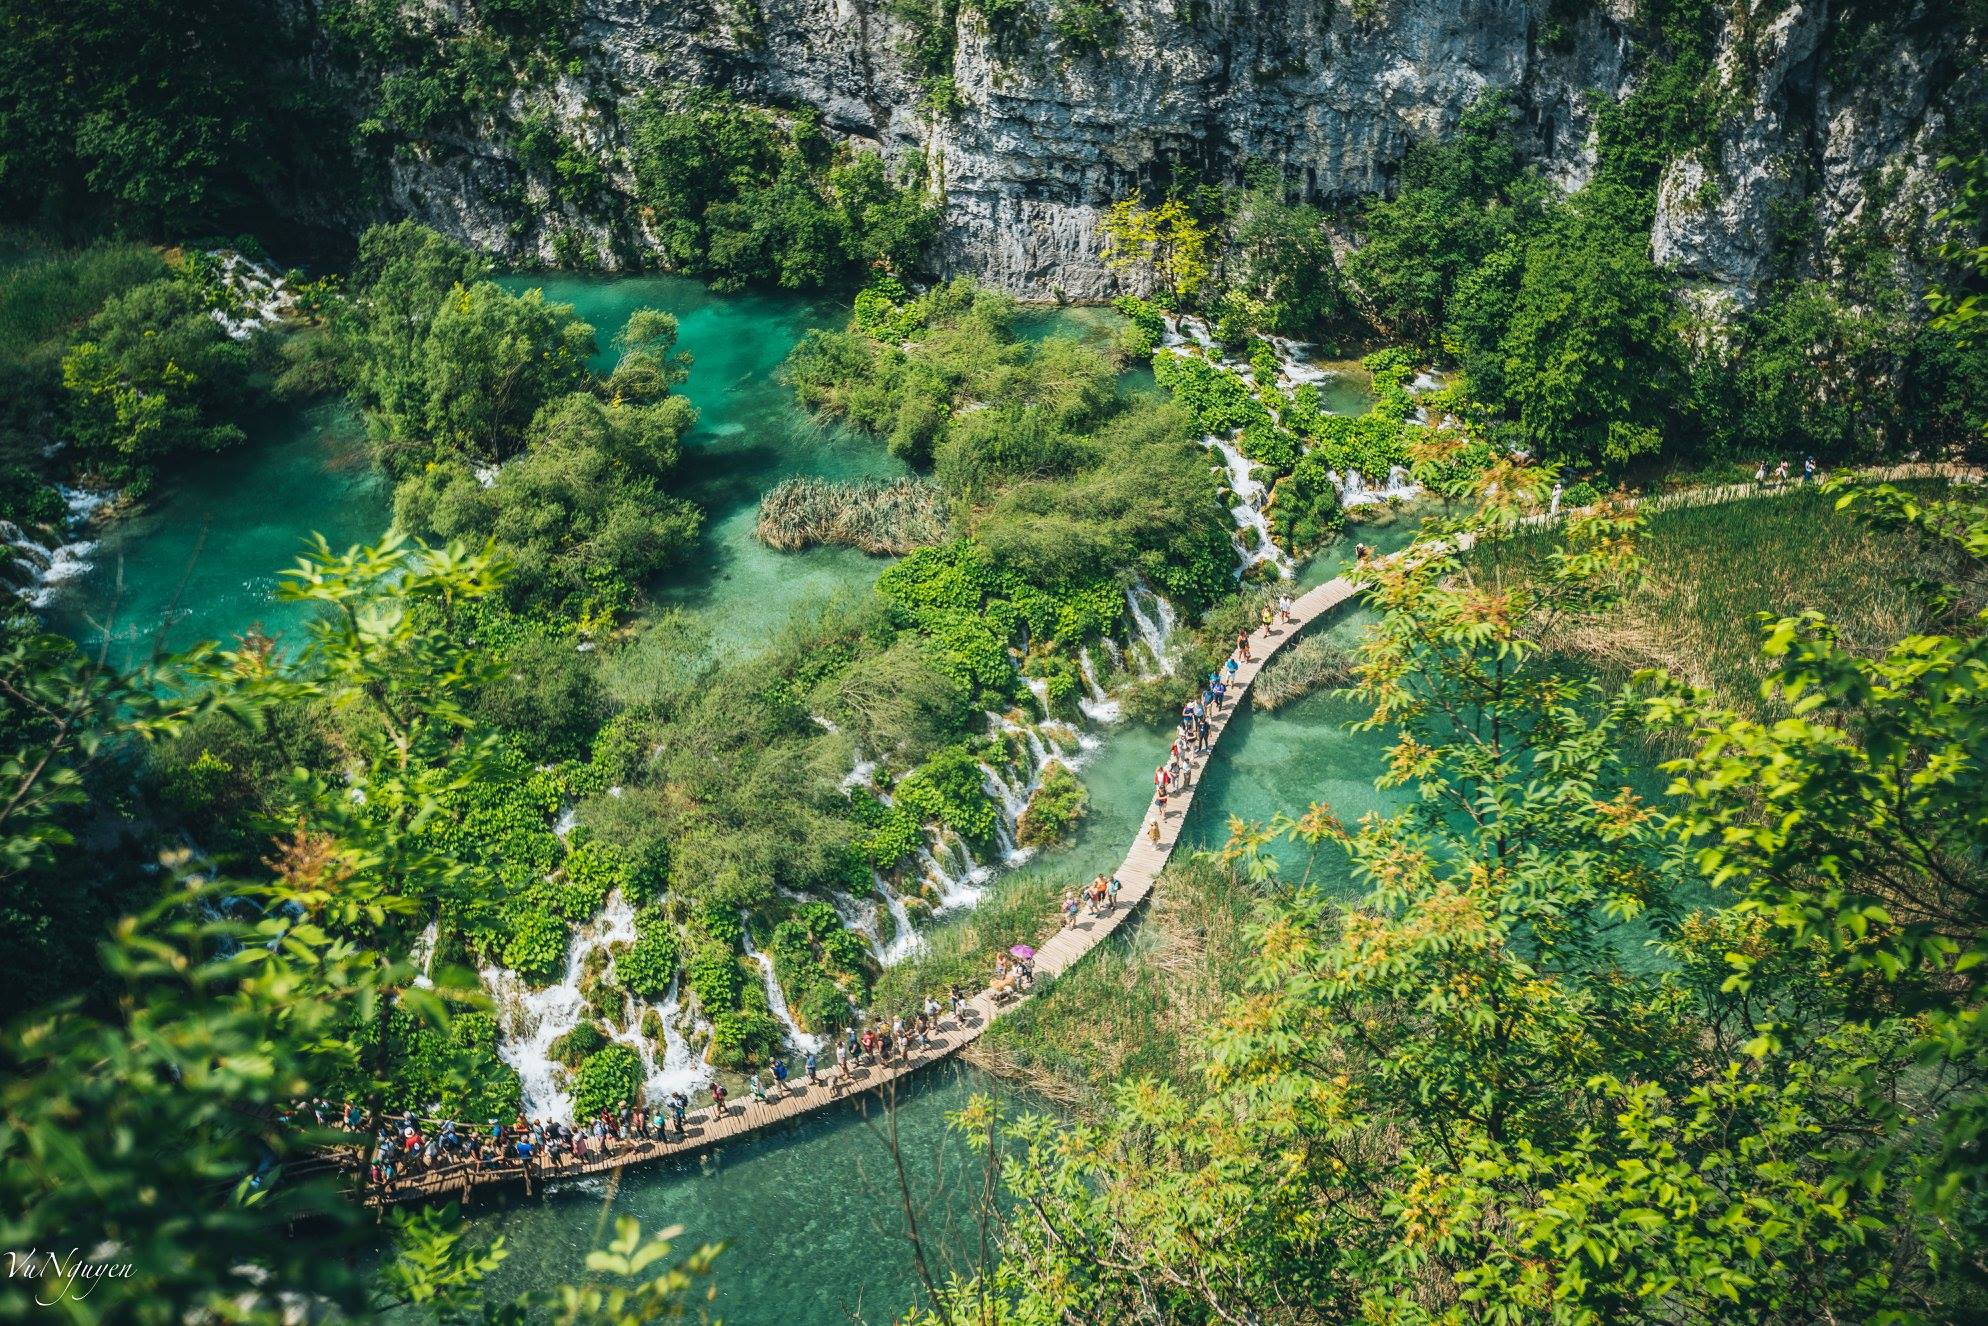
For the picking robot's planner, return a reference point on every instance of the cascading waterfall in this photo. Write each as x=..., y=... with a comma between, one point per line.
x=1152, y=617
x=1009, y=805
x=1248, y=510
x=40, y=562
x=1096, y=705
x=776, y=998
x=423, y=954
x=1353, y=490
x=905, y=940
x=531, y=1020
x=678, y=1069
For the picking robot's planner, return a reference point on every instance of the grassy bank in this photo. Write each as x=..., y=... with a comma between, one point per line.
x=1710, y=573
x=1134, y=1007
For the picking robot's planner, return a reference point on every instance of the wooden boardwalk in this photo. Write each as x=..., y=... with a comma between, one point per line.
x=1137, y=874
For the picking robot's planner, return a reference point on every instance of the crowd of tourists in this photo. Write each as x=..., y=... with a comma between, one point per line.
x=1196, y=729
x=407, y=1147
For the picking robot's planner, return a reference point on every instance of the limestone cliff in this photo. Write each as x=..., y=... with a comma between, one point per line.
x=1827, y=119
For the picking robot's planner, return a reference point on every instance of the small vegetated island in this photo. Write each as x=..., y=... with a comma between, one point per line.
x=1650, y=990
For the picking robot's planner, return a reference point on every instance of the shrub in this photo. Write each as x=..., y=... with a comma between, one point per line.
x=646, y=969
x=1218, y=400
x=742, y=1036
x=948, y=789
x=609, y=1079
x=537, y=947
x=573, y=1048
x=712, y=972
x=1055, y=808
x=1304, y=511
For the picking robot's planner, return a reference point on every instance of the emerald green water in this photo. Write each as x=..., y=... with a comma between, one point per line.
x=200, y=561
x=810, y=1214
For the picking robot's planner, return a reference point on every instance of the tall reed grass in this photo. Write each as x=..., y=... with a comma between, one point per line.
x=877, y=517
x=1295, y=671
x=1713, y=573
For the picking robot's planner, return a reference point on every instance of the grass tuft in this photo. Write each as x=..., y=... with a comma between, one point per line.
x=885, y=518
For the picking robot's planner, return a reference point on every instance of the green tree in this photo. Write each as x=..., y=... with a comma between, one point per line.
x=1172, y=245
x=1591, y=358
x=153, y=374
x=1455, y=203
x=1463, y=1098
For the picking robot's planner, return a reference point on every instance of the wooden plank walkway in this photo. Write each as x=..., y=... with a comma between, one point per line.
x=1137, y=874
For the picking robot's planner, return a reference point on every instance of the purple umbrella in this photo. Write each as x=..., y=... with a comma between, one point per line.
x=1022, y=951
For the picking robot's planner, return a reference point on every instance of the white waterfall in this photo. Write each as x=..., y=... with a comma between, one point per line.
x=1096, y=705
x=423, y=954
x=1152, y=617
x=568, y=818
x=861, y=917
x=1248, y=510
x=43, y=561
x=905, y=940
x=531, y=1020
x=1040, y=690
x=1353, y=490
x=776, y=998
x=1009, y=805
x=678, y=1069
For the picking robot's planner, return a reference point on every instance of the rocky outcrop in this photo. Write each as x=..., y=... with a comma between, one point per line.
x=1333, y=92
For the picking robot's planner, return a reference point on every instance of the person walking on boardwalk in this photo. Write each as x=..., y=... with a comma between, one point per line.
x=1242, y=648
x=1808, y=469
x=959, y=1007
x=1111, y=895
x=1760, y=472
x=1553, y=503
x=718, y=1100
x=812, y=1078
x=780, y=1076
x=841, y=1067
x=1069, y=909
x=1268, y=620
x=679, y=1107
x=1284, y=608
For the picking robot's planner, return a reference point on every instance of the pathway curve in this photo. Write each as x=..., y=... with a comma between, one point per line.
x=1137, y=874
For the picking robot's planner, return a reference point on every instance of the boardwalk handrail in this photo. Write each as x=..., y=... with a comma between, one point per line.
x=1137, y=874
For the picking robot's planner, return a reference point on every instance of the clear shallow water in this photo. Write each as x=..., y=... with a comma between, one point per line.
x=750, y=435
x=200, y=561
x=810, y=1215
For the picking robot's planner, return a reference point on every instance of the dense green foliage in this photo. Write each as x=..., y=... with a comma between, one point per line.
x=165, y=117
x=153, y=374
x=1064, y=470
x=1576, y=1056
x=481, y=402
x=284, y=972
x=737, y=196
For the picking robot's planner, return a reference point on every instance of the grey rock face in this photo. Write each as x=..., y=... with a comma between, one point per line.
x=1046, y=138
